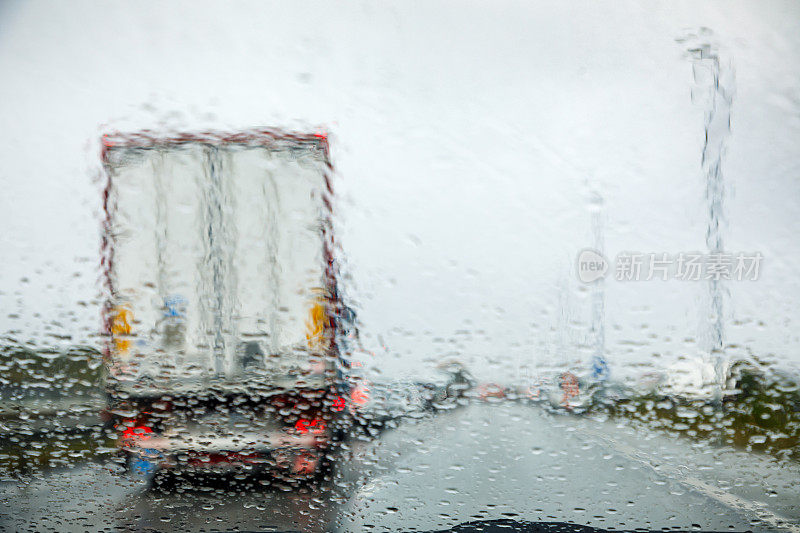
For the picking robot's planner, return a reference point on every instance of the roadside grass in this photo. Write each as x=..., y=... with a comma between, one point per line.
x=50, y=405
x=761, y=414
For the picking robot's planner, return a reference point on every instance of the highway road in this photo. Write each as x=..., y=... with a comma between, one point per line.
x=479, y=464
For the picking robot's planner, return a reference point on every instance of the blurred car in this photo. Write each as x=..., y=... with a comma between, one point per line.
x=382, y=404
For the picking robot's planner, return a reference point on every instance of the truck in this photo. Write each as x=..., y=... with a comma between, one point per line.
x=224, y=320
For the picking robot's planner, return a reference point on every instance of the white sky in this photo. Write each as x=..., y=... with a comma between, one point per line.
x=468, y=139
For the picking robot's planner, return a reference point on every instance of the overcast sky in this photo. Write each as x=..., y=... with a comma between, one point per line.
x=472, y=143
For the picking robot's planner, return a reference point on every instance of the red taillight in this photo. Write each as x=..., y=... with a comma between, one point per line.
x=137, y=432
x=338, y=403
x=304, y=426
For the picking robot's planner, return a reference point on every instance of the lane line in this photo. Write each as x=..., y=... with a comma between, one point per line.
x=732, y=501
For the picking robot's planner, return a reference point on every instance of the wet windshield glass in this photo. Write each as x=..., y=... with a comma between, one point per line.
x=443, y=266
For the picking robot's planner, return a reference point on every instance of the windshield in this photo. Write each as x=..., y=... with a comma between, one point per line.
x=432, y=266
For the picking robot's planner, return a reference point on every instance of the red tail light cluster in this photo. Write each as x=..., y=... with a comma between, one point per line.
x=137, y=433
x=338, y=404
x=316, y=426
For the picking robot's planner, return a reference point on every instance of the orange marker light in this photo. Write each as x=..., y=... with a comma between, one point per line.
x=360, y=395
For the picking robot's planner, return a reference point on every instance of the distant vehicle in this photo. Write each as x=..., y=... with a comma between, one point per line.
x=384, y=404
x=223, y=313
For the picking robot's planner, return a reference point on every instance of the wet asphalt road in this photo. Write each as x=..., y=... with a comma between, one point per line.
x=481, y=462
